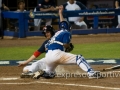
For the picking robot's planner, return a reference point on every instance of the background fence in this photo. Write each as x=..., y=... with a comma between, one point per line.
x=23, y=18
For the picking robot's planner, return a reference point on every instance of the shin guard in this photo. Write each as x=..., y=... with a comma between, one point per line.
x=82, y=63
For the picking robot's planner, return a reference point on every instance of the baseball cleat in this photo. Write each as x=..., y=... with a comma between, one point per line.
x=95, y=75
x=27, y=75
x=49, y=75
x=38, y=74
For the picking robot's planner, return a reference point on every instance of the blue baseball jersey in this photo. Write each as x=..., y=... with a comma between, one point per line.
x=56, y=42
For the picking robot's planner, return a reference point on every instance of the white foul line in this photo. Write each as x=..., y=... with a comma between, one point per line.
x=52, y=83
x=80, y=85
x=9, y=78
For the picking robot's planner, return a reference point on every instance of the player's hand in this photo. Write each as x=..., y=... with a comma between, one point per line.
x=60, y=8
x=22, y=64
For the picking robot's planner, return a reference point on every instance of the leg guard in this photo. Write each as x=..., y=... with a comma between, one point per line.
x=82, y=63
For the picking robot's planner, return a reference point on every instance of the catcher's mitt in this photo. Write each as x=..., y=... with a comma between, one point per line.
x=69, y=49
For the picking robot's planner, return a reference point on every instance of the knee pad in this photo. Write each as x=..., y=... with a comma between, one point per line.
x=79, y=59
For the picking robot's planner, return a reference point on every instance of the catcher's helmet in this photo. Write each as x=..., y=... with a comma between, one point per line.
x=64, y=25
x=48, y=28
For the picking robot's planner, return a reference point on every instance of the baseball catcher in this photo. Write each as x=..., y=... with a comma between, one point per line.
x=56, y=55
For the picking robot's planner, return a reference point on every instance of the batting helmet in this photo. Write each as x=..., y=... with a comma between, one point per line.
x=48, y=28
x=65, y=25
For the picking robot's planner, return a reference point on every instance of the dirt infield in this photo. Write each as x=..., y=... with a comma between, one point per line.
x=77, y=39
x=10, y=80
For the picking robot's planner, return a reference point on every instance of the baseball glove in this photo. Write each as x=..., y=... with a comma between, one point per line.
x=69, y=49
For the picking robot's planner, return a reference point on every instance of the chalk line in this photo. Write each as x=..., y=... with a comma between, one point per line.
x=55, y=83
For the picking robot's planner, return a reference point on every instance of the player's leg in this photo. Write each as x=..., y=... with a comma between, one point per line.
x=51, y=61
x=53, y=58
x=81, y=62
x=47, y=73
x=29, y=71
x=35, y=66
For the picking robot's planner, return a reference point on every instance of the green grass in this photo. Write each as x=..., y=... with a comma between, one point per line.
x=99, y=50
x=17, y=53
x=95, y=50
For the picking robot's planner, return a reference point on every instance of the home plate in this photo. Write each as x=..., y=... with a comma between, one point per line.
x=9, y=78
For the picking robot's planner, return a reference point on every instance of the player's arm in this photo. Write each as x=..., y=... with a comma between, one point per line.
x=61, y=13
x=35, y=55
x=66, y=42
x=117, y=4
x=27, y=61
x=32, y=57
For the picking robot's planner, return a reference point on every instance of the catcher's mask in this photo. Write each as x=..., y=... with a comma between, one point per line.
x=48, y=28
x=65, y=25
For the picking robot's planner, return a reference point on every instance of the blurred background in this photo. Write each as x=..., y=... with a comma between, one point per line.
x=104, y=21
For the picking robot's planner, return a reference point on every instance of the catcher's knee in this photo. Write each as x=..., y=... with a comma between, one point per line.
x=79, y=59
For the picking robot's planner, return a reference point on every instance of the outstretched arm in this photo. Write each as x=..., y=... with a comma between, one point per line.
x=27, y=61
x=33, y=57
